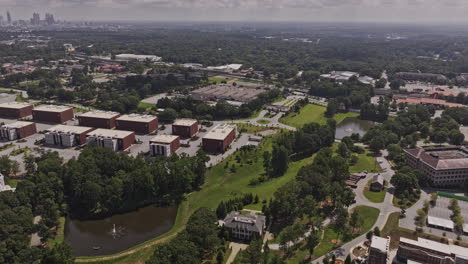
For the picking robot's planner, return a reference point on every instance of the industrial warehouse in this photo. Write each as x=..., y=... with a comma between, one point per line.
x=98, y=119
x=143, y=124
x=185, y=128
x=15, y=110
x=52, y=113
x=113, y=139
x=17, y=130
x=219, y=138
x=244, y=93
x=67, y=136
x=164, y=145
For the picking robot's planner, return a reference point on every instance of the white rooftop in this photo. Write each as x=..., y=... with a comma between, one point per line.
x=429, y=244
x=220, y=132
x=69, y=129
x=14, y=105
x=441, y=222
x=164, y=139
x=17, y=124
x=112, y=133
x=137, y=118
x=184, y=122
x=380, y=243
x=100, y=114
x=52, y=108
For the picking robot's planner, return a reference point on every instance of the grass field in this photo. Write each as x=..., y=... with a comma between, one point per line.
x=145, y=105
x=60, y=233
x=218, y=79
x=263, y=121
x=12, y=182
x=365, y=162
x=375, y=197
x=312, y=113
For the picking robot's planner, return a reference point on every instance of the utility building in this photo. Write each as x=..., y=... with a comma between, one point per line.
x=17, y=130
x=143, y=124
x=186, y=128
x=164, y=145
x=113, y=139
x=98, y=119
x=15, y=110
x=219, y=138
x=53, y=113
x=67, y=136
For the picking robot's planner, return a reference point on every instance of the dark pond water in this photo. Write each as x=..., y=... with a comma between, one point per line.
x=352, y=125
x=99, y=237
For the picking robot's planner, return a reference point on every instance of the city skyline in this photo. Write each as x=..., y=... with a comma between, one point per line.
x=416, y=11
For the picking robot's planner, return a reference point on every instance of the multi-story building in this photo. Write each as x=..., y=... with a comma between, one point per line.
x=17, y=130
x=67, y=136
x=444, y=166
x=53, y=113
x=431, y=252
x=164, y=145
x=378, y=251
x=15, y=110
x=98, y=119
x=244, y=227
x=219, y=138
x=113, y=139
x=143, y=124
x=186, y=128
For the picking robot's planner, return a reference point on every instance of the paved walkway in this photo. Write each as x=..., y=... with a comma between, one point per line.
x=236, y=247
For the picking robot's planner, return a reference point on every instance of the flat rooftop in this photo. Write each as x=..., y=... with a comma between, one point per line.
x=220, y=132
x=433, y=245
x=380, y=243
x=52, y=108
x=442, y=158
x=226, y=91
x=137, y=118
x=14, y=105
x=100, y=114
x=112, y=133
x=164, y=139
x=184, y=122
x=17, y=124
x=69, y=129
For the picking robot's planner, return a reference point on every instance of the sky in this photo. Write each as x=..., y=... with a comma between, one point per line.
x=401, y=11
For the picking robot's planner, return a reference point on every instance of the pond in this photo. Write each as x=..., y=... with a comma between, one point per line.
x=352, y=125
x=118, y=232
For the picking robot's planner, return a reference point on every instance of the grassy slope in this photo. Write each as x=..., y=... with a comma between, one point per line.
x=312, y=113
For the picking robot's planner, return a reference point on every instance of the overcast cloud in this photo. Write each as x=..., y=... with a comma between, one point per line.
x=452, y=11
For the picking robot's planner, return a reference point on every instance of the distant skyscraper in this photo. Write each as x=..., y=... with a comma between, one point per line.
x=8, y=17
x=49, y=18
x=36, y=19
x=1, y=20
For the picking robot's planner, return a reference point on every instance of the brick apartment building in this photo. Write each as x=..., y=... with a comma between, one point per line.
x=15, y=110
x=444, y=166
x=185, y=128
x=143, y=124
x=114, y=139
x=52, y=113
x=98, y=119
x=17, y=130
x=219, y=138
x=67, y=136
x=164, y=145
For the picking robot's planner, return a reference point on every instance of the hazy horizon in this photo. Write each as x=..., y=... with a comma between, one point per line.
x=366, y=11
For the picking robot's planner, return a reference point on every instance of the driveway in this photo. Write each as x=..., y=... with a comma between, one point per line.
x=236, y=247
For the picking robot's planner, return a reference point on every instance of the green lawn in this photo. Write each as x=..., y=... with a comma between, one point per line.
x=218, y=79
x=312, y=113
x=365, y=162
x=263, y=121
x=375, y=197
x=12, y=182
x=145, y=105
